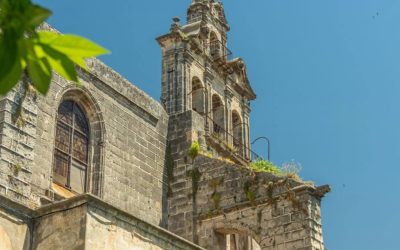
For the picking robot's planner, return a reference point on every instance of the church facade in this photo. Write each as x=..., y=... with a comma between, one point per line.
x=102, y=165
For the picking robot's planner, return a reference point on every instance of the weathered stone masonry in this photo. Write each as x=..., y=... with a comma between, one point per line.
x=127, y=148
x=138, y=175
x=212, y=201
x=82, y=222
x=276, y=212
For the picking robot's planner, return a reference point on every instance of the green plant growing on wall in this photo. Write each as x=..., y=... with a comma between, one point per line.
x=216, y=198
x=246, y=186
x=169, y=165
x=194, y=150
x=17, y=168
x=265, y=166
x=270, y=189
x=291, y=170
x=251, y=196
x=233, y=149
x=19, y=191
x=195, y=175
x=250, y=190
x=18, y=116
x=23, y=48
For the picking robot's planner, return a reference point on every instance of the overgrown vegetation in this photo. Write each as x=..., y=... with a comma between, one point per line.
x=215, y=196
x=289, y=170
x=17, y=168
x=250, y=189
x=195, y=175
x=194, y=150
x=261, y=165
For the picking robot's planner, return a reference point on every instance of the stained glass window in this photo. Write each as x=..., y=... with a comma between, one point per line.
x=71, y=147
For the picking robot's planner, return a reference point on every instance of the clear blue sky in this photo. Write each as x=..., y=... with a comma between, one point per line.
x=327, y=75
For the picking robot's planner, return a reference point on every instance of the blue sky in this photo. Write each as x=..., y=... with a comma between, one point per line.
x=328, y=82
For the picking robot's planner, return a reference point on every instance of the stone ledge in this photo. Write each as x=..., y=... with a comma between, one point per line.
x=95, y=203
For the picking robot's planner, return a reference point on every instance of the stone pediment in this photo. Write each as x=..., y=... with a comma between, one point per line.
x=242, y=85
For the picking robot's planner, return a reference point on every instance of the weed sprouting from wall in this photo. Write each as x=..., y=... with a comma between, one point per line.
x=216, y=197
x=265, y=166
x=169, y=165
x=194, y=150
x=195, y=175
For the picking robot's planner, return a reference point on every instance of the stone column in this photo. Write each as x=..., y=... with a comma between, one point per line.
x=246, y=128
x=228, y=114
x=208, y=78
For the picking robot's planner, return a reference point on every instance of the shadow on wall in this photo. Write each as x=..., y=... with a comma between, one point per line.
x=20, y=235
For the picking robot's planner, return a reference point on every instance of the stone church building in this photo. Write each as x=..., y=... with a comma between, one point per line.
x=102, y=165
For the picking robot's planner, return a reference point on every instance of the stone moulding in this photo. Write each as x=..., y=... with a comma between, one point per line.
x=109, y=217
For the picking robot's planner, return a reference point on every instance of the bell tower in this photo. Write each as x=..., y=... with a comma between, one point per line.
x=200, y=74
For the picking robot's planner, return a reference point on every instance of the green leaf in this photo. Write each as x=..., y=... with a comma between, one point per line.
x=76, y=46
x=11, y=79
x=40, y=72
x=79, y=61
x=8, y=52
x=10, y=66
x=36, y=15
x=47, y=37
x=60, y=63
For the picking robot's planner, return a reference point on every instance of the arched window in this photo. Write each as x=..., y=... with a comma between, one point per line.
x=237, y=130
x=215, y=49
x=71, y=147
x=218, y=116
x=242, y=242
x=236, y=241
x=198, y=96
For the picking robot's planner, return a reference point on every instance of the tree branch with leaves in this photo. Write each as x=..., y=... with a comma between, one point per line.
x=39, y=53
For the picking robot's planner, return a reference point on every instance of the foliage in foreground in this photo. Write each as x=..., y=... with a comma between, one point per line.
x=22, y=47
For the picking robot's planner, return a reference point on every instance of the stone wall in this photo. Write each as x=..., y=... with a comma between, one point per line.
x=82, y=222
x=212, y=198
x=61, y=228
x=15, y=226
x=107, y=229
x=277, y=212
x=128, y=131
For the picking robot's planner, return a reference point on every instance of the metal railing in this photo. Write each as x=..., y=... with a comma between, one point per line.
x=219, y=51
x=234, y=144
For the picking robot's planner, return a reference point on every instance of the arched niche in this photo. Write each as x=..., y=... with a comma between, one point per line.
x=215, y=45
x=198, y=96
x=218, y=115
x=237, y=131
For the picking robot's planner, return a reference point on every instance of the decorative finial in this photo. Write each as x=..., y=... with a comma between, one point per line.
x=176, y=19
x=175, y=25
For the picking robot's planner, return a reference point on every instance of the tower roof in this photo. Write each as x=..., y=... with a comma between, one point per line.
x=207, y=10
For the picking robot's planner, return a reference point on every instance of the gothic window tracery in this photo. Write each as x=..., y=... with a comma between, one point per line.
x=71, y=147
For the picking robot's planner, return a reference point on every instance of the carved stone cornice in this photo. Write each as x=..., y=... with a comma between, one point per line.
x=228, y=94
